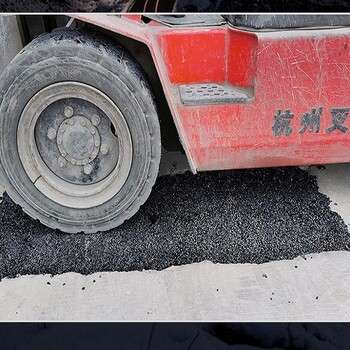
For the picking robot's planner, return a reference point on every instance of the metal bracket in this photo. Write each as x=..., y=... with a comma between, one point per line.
x=70, y=23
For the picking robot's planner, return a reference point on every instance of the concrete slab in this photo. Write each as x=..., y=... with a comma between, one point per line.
x=310, y=289
x=334, y=181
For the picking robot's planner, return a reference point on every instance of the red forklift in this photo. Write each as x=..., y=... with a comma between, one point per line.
x=87, y=110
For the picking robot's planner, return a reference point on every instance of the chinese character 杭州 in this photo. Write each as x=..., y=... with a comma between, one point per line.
x=311, y=120
x=282, y=123
x=339, y=116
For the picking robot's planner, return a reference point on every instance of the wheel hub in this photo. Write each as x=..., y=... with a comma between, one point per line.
x=75, y=140
x=78, y=140
x=80, y=148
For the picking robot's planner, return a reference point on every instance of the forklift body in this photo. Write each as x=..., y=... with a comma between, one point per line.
x=245, y=97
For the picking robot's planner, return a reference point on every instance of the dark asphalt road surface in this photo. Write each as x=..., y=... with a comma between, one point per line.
x=245, y=216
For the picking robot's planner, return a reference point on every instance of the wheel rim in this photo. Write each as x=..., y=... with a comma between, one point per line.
x=75, y=145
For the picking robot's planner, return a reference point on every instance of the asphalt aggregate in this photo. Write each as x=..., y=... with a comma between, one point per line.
x=261, y=5
x=242, y=216
x=179, y=5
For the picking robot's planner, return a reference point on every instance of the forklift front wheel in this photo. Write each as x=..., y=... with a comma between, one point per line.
x=79, y=132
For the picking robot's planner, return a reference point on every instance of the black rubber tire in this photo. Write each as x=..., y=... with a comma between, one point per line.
x=81, y=56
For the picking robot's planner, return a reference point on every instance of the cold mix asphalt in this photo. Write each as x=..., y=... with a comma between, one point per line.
x=242, y=216
x=180, y=6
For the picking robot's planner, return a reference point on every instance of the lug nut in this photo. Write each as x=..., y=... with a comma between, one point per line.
x=93, y=131
x=71, y=122
x=63, y=153
x=85, y=161
x=97, y=143
x=73, y=161
x=95, y=120
x=104, y=149
x=51, y=134
x=61, y=162
x=68, y=112
x=87, y=169
x=83, y=122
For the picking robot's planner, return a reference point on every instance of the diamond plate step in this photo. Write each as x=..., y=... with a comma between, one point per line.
x=204, y=94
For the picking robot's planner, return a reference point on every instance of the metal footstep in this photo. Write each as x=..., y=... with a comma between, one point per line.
x=204, y=94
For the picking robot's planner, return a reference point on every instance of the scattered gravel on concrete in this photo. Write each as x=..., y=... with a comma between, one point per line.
x=244, y=216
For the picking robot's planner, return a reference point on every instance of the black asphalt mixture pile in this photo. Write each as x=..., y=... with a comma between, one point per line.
x=179, y=5
x=261, y=5
x=64, y=5
x=244, y=216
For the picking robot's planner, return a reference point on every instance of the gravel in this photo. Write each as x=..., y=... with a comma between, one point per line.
x=242, y=216
x=62, y=5
x=261, y=5
x=180, y=5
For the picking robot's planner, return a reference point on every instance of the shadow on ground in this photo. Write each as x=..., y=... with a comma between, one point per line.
x=244, y=216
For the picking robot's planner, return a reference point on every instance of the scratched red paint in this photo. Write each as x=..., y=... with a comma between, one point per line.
x=242, y=52
x=297, y=72
x=189, y=53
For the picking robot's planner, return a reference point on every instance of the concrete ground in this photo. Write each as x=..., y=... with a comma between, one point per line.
x=309, y=288
x=334, y=181
x=317, y=290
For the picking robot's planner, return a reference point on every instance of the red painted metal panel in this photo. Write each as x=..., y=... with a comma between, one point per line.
x=242, y=54
x=299, y=74
x=194, y=56
x=299, y=71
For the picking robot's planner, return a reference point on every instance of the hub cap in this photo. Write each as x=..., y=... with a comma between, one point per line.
x=78, y=140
